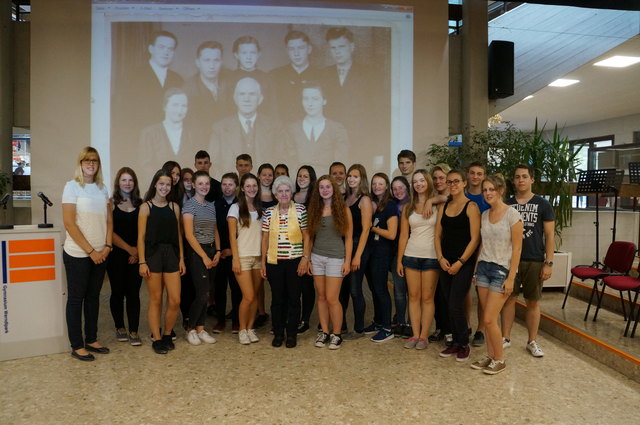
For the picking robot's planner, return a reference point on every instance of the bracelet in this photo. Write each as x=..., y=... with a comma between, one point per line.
x=143, y=262
x=89, y=253
x=109, y=246
x=461, y=260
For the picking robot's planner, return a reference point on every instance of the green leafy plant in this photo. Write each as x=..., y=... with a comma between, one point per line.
x=501, y=149
x=5, y=181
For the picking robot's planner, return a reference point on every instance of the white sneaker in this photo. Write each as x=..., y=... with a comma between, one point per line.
x=252, y=335
x=205, y=337
x=243, y=337
x=535, y=349
x=192, y=337
x=506, y=343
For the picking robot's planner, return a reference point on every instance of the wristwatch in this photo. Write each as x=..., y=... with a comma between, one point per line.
x=548, y=263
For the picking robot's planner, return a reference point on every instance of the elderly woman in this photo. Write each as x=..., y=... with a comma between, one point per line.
x=285, y=258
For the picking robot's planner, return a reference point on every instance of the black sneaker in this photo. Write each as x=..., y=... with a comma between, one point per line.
x=167, y=340
x=303, y=327
x=436, y=336
x=159, y=347
x=291, y=341
x=261, y=319
x=173, y=336
x=319, y=327
x=448, y=340
x=322, y=339
x=407, y=331
x=336, y=342
x=372, y=329
x=478, y=339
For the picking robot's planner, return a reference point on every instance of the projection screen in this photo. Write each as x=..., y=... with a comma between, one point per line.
x=299, y=84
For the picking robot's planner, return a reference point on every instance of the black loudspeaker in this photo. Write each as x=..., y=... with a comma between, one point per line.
x=500, y=69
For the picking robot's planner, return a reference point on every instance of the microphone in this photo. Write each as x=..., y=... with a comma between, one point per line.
x=45, y=199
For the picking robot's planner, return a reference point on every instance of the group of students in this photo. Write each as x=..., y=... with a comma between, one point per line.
x=318, y=236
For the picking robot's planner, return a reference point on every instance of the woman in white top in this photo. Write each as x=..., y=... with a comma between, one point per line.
x=245, y=237
x=501, y=231
x=86, y=212
x=417, y=258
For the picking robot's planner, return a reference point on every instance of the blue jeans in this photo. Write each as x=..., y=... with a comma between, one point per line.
x=84, y=282
x=399, y=292
x=377, y=271
x=355, y=286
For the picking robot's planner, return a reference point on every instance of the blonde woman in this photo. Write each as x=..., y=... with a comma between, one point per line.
x=86, y=212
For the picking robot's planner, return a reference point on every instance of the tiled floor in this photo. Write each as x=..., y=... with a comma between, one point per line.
x=362, y=383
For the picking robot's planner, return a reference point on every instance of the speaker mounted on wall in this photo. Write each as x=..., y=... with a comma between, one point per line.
x=501, y=56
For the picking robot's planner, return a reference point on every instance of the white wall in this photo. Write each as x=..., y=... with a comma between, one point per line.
x=621, y=127
x=580, y=239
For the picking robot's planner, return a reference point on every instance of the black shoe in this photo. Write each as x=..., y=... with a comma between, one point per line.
x=167, y=340
x=303, y=327
x=319, y=327
x=159, y=347
x=86, y=358
x=211, y=310
x=291, y=342
x=173, y=336
x=478, y=339
x=101, y=350
x=277, y=341
x=261, y=319
x=407, y=332
x=438, y=335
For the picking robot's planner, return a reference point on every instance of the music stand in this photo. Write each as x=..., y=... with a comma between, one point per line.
x=595, y=181
x=634, y=172
x=613, y=185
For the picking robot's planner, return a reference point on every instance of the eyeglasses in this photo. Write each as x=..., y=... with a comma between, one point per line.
x=453, y=182
x=90, y=161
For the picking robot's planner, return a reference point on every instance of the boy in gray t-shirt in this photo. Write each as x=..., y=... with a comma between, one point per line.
x=536, y=261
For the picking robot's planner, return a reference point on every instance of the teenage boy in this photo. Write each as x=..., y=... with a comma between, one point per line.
x=202, y=162
x=536, y=261
x=224, y=274
x=406, y=164
x=476, y=172
x=244, y=165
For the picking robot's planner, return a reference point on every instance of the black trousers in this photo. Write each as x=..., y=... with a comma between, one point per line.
x=84, y=282
x=455, y=289
x=125, y=282
x=202, y=279
x=224, y=277
x=286, y=287
x=441, y=314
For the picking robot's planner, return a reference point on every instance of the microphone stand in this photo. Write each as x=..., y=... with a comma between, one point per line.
x=45, y=225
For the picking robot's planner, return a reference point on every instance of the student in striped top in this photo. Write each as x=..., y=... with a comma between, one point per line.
x=285, y=258
x=201, y=231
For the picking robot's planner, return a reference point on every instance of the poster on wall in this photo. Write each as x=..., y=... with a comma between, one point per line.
x=297, y=85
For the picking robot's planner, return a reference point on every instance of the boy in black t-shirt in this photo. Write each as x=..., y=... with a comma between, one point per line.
x=536, y=261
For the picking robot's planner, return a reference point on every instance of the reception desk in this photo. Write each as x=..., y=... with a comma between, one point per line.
x=33, y=293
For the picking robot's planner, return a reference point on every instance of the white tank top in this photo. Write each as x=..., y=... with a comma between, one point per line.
x=420, y=242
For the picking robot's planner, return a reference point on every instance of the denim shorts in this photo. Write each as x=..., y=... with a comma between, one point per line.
x=420, y=264
x=491, y=276
x=326, y=266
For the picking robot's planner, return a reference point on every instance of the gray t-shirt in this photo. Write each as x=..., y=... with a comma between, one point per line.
x=204, y=219
x=534, y=213
x=328, y=241
x=496, y=238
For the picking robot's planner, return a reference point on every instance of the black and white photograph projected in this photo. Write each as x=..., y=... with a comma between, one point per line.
x=294, y=85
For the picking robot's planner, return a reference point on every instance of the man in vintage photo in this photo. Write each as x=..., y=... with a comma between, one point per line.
x=289, y=79
x=247, y=130
x=207, y=89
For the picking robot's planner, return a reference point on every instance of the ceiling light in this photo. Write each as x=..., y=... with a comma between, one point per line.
x=618, y=61
x=528, y=97
x=563, y=82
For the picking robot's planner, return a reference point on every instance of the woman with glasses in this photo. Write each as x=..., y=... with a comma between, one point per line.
x=456, y=239
x=86, y=212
